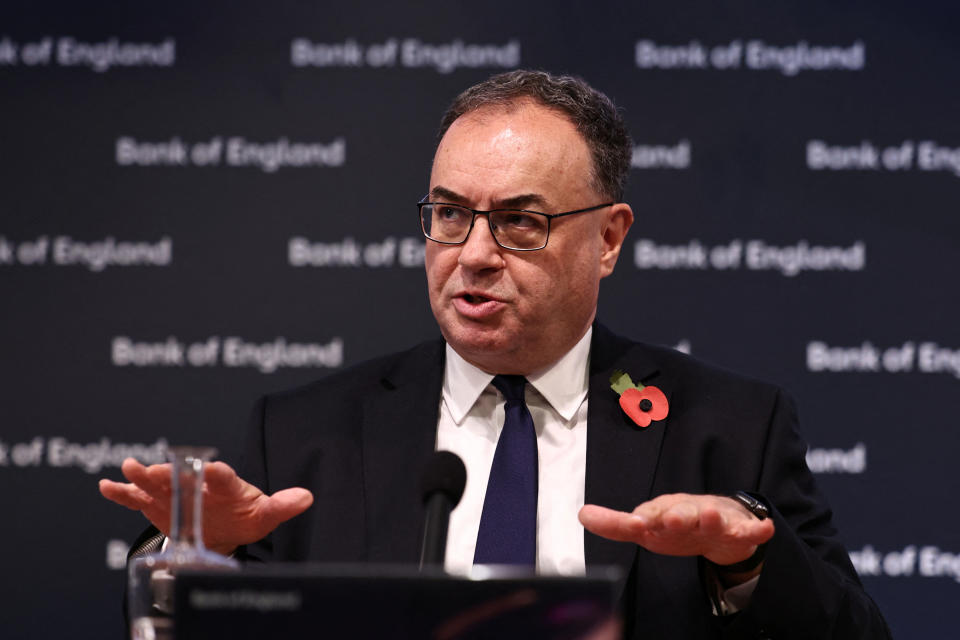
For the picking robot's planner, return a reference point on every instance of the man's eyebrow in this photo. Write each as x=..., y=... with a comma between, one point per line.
x=524, y=201
x=443, y=194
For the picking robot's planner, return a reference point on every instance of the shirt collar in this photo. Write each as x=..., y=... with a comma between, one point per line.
x=563, y=385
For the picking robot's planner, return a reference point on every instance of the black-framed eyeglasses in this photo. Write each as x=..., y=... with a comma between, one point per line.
x=514, y=229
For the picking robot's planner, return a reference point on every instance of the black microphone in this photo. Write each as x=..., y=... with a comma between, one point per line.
x=441, y=486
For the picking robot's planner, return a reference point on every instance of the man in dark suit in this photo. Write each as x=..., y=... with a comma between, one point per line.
x=523, y=218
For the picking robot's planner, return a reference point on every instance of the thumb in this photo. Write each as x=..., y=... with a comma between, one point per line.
x=288, y=503
x=762, y=532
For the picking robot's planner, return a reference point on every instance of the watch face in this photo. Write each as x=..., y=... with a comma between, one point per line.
x=753, y=505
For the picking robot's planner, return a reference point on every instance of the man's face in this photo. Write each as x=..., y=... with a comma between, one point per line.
x=515, y=311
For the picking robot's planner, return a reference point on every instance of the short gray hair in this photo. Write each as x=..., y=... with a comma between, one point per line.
x=590, y=111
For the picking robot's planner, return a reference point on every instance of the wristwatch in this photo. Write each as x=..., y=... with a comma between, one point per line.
x=762, y=512
x=753, y=505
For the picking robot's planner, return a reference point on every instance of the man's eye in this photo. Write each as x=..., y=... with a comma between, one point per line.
x=450, y=214
x=519, y=220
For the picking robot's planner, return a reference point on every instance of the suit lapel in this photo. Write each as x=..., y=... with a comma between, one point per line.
x=621, y=457
x=399, y=434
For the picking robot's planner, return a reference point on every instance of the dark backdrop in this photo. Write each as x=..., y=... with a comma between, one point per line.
x=210, y=201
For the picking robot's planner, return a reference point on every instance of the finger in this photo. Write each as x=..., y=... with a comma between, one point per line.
x=131, y=467
x=126, y=495
x=652, y=513
x=219, y=477
x=155, y=479
x=713, y=523
x=615, y=525
x=286, y=504
x=682, y=516
x=160, y=477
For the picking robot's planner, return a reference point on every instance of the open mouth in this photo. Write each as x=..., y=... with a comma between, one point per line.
x=477, y=307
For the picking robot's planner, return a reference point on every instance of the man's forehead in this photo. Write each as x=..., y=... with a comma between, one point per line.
x=514, y=156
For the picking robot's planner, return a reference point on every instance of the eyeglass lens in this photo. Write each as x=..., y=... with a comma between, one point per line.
x=512, y=229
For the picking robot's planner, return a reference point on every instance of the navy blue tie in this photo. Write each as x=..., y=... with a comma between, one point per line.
x=508, y=526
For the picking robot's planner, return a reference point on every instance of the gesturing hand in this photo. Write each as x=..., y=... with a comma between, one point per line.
x=715, y=527
x=234, y=511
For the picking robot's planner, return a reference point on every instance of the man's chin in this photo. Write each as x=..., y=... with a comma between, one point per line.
x=483, y=347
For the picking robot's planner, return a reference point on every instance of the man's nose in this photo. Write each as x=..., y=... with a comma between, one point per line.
x=481, y=251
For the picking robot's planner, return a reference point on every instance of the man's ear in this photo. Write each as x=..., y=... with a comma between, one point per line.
x=612, y=234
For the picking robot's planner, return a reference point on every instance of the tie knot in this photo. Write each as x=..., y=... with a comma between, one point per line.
x=511, y=387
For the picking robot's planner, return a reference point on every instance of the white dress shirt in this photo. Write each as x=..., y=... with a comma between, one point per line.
x=471, y=417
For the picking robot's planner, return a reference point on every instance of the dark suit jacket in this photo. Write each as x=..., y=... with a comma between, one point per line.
x=358, y=440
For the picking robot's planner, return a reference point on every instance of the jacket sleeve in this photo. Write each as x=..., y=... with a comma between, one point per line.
x=808, y=587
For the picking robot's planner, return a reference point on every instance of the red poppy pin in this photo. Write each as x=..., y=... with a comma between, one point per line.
x=642, y=403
